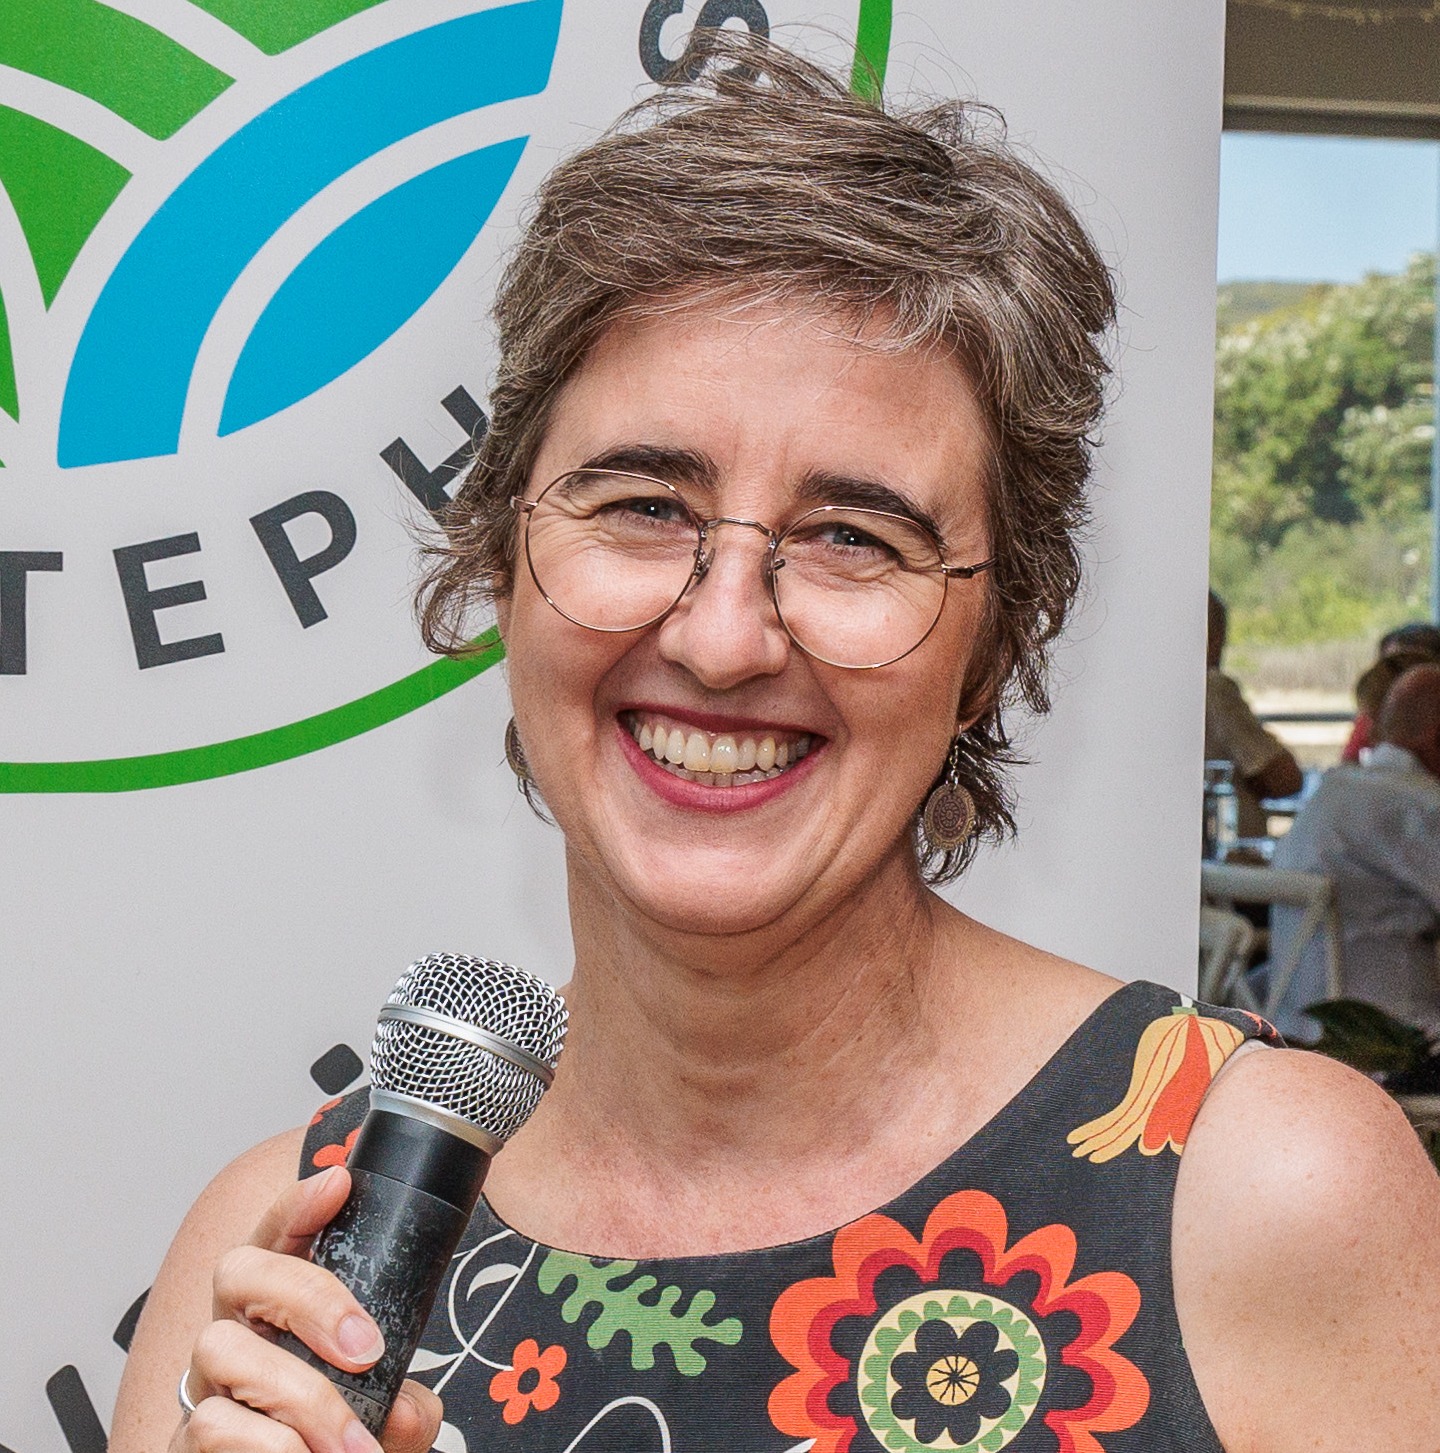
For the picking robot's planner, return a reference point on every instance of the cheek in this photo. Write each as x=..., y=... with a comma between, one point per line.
x=959, y=644
x=535, y=667
x=902, y=724
x=555, y=667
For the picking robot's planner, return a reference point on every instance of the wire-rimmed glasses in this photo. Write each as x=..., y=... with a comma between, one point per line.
x=855, y=588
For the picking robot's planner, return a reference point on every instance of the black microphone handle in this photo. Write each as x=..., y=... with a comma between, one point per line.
x=413, y=1188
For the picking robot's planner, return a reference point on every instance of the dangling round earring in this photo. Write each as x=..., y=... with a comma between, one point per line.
x=949, y=816
x=515, y=755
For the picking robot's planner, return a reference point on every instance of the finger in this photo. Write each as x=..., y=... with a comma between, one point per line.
x=257, y=1286
x=231, y=1363
x=414, y=1421
x=220, y=1426
x=300, y=1211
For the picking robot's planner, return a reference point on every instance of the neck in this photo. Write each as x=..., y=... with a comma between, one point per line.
x=725, y=1092
x=768, y=1038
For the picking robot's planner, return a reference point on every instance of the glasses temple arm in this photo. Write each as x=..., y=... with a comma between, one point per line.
x=966, y=572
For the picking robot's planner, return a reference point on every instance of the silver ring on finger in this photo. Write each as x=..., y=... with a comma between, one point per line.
x=183, y=1394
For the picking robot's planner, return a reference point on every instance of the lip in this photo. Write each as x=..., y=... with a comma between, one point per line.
x=691, y=795
x=709, y=721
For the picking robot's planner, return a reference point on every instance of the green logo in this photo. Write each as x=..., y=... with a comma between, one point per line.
x=130, y=375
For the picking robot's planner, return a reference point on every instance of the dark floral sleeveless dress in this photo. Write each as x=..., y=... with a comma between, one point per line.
x=1017, y=1297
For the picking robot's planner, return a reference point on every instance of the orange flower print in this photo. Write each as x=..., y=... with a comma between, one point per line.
x=1175, y=1060
x=325, y=1109
x=955, y=1340
x=329, y=1155
x=530, y=1383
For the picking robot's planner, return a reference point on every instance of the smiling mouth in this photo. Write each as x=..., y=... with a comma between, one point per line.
x=715, y=759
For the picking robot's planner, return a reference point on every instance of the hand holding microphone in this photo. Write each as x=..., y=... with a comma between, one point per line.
x=250, y=1395
x=463, y=1051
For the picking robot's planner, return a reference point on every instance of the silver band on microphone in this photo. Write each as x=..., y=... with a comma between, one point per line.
x=472, y=1034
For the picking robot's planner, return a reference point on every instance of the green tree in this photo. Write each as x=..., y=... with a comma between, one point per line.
x=1385, y=458
x=1323, y=431
x=1317, y=407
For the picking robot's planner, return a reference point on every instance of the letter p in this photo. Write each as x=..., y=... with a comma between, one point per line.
x=296, y=574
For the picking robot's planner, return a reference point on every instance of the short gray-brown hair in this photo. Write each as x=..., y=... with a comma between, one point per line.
x=770, y=179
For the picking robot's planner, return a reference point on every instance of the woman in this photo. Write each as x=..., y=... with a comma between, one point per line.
x=777, y=506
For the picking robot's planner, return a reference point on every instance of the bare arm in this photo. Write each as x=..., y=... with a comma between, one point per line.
x=1307, y=1243
x=236, y=1265
x=1279, y=777
x=1262, y=762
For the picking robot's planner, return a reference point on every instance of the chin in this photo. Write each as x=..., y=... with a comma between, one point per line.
x=710, y=898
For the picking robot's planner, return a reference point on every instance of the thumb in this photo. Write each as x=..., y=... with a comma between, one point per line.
x=414, y=1420
x=300, y=1211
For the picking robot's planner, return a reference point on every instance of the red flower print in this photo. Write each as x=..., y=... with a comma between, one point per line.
x=886, y=1401
x=530, y=1383
x=1268, y=1032
x=1175, y=1060
x=325, y=1109
x=335, y=1154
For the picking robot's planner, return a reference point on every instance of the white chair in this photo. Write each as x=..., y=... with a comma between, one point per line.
x=1226, y=940
x=1225, y=884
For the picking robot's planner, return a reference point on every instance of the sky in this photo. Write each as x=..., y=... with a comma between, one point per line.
x=1323, y=208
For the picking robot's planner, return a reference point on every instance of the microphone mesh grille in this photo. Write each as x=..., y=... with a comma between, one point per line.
x=451, y=1073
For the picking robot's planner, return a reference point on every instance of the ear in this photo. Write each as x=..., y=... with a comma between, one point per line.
x=979, y=698
x=503, y=606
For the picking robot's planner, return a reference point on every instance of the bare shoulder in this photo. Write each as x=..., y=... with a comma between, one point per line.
x=262, y=1171
x=1018, y=1004
x=1306, y=1241
x=223, y=1217
x=1288, y=1142
x=1025, y=985
x=227, y=1210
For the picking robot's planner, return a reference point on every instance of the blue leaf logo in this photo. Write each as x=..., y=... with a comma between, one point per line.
x=365, y=280
x=125, y=396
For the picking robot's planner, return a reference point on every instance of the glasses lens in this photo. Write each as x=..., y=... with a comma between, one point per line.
x=611, y=551
x=857, y=587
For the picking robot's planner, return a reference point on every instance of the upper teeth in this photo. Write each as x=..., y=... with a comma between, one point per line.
x=717, y=759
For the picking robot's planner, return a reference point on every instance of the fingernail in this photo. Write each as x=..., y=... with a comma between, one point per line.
x=359, y=1339
x=357, y=1440
x=417, y=1408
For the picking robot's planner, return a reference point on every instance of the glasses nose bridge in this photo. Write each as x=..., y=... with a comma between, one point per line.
x=707, y=550
x=707, y=525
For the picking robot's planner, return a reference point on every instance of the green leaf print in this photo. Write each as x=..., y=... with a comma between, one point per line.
x=622, y=1309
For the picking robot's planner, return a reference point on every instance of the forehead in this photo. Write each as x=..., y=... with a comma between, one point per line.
x=772, y=396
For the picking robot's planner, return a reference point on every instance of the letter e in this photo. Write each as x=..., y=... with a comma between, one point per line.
x=142, y=603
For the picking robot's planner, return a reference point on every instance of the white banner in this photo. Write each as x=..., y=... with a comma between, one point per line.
x=246, y=255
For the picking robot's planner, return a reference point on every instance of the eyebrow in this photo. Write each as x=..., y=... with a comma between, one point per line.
x=660, y=461
x=818, y=487
x=822, y=487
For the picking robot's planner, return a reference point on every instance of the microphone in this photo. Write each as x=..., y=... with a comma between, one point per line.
x=462, y=1053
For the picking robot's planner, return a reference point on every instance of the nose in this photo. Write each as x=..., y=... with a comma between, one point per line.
x=725, y=631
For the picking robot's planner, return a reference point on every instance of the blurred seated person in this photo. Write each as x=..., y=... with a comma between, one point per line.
x=1418, y=636
x=1374, y=831
x=1264, y=767
x=1400, y=649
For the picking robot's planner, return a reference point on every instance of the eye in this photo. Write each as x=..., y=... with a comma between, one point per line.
x=619, y=501
x=845, y=536
x=662, y=509
x=860, y=545
x=841, y=539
